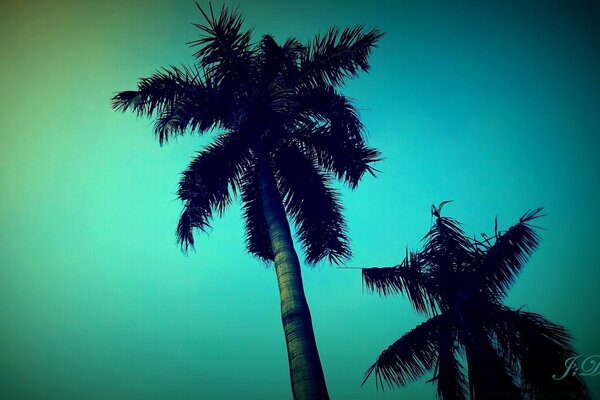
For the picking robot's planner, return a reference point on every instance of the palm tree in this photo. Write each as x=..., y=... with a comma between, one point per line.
x=283, y=133
x=459, y=283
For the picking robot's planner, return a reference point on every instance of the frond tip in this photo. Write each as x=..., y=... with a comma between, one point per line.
x=191, y=217
x=410, y=357
x=507, y=255
x=336, y=56
x=224, y=48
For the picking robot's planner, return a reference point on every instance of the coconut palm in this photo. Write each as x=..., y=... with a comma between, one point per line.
x=284, y=132
x=477, y=347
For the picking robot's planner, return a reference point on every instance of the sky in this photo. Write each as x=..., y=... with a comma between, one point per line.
x=494, y=106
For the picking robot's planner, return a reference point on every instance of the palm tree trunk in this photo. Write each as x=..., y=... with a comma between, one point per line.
x=306, y=372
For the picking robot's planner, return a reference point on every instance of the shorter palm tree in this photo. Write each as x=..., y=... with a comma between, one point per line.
x=477, y=347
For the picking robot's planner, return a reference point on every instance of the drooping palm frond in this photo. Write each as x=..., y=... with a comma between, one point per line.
x=505, y=258
x=258, y=241
x=336, y=141
x=224, y=47
x=336, y=56
x=161, y=89
x=173, y=120
x=408, y=278
x=181, y=98
x=411, y=356
x=313, y=204
x=449, y=373
x=206, y=184
x=348, y=159
x=540, y=349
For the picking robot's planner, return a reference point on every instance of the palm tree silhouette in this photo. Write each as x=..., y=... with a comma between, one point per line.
x=285, y=132
x=460, y=283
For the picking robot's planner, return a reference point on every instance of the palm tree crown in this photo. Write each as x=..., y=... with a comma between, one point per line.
x=460, y=283
x=277, y=101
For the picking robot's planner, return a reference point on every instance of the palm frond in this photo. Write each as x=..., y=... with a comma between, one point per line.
x=202, y=111
x=206, y=184
x=258, y=241
x=504, y=260
x=335, y=140
x=540, y=349
x=313, y=204
x=450, y=376
x=161, y=89
x=224, y=47
x=173, y=120
x=336, y=56
x=325, y=103
x=183, y=98
x=408, y=278
x=348, y=159
x=411, y=356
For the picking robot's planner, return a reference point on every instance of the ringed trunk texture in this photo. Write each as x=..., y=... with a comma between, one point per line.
x=306, y=372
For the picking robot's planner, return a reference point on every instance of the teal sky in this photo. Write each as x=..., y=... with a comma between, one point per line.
x=493, y=106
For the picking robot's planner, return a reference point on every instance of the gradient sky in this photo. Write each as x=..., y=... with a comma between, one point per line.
x=493, y=106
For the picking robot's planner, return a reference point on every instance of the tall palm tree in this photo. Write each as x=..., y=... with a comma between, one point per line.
x=284, y=132
x=459, y=283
